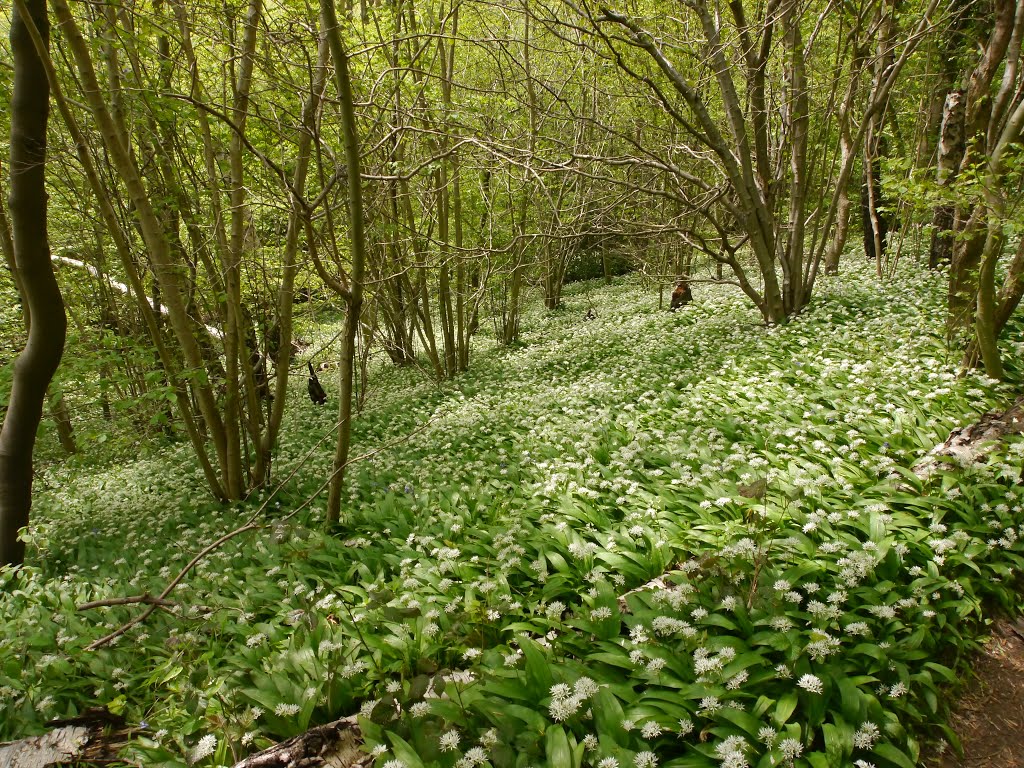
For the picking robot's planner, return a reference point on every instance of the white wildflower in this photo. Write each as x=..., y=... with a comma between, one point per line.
x=206, y=747
x=650, y=730
x=791, y=749
x=811, y=684
x=449, y=741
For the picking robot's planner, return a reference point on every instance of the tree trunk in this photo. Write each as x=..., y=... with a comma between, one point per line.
x=846, y=151
x=146, y=310
x=447, y=306
x=875, y=220
x=553, y=276
x=987, y=318
x=241, y=404
x=950, y=153
x=358, y=251
x=794, y=293
x=62, y=419
x=37, y=363
x=835, y=249
x=970, y=225
x=286, y=292
x=510, y=324
x=116, y=142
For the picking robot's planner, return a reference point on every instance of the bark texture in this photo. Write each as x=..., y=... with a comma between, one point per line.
x=39, y=360
x=94, y=737
x=334, y=745
x=980, y=121
x=969, y=444
x=950, y=153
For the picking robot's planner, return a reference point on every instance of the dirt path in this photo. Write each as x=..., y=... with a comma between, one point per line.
x=989, y=718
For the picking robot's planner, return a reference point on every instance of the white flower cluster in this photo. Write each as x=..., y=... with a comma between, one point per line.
x=206, y=747
x=566, y=701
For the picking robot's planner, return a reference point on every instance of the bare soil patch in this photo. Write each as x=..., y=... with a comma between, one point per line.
x=989, y=718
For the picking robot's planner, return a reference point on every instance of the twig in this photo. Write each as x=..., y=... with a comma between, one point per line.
x=147, y=599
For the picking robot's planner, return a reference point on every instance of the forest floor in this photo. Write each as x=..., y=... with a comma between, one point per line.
x=989, y=714
x=679, y=540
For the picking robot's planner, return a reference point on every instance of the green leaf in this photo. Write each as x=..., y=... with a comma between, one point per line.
x=945, y=672
x=404, y=751
x=418, y=687
x=608, y=716
x=784, y=708
x=614, y=659
x=837, y=746
x=718, y=620
x=743, y=720
x=894, y=755
x=557, y=748
x=116, y=705
x=538, y=673
x=850, y=699
x=533, y=719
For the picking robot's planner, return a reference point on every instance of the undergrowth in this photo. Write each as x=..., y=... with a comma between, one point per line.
x=650, y=539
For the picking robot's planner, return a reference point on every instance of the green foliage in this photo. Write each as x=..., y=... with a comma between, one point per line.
x=649, y=539
x=589, y=265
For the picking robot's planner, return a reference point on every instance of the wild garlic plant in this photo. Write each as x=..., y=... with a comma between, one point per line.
x=565, y=566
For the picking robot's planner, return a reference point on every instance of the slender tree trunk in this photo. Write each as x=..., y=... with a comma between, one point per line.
x=358, y=251
x=286, y=291
x=835, y=249
x=450, y=310
x=128, y=263
x=875, y=223
x=510, y=326
x=118, y=146
x=486, y=243
x=1005, y=303
x=950, y=153
x=461, y=289
x=461, y=306
x=794, y=295
x=987, y=319
x=445, y=305
x=426, y=325
x=37, y=363
x=62, y=419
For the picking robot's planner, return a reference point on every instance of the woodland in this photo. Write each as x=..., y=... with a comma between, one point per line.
x=517, y=384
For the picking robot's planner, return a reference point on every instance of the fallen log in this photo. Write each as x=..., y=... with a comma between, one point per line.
x=96, y=736
x=969, y=444
x=334, y=745
x=60, y=747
